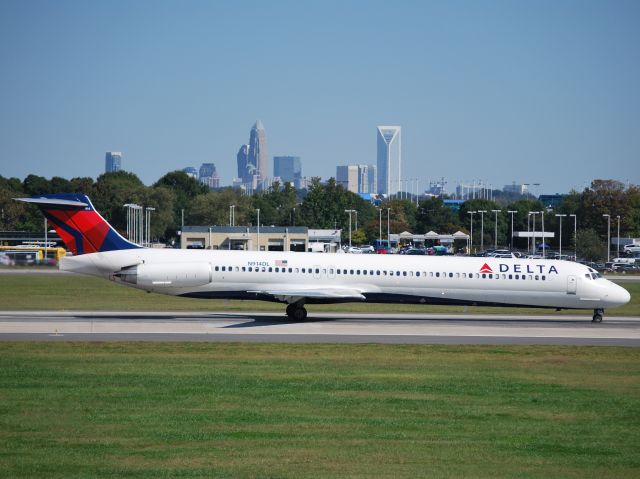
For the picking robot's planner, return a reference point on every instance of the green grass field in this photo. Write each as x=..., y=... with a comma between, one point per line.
x=71, y=410
x=76, y=292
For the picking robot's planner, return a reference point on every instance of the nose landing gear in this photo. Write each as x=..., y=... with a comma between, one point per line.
x=297, y=311
x=598, y=314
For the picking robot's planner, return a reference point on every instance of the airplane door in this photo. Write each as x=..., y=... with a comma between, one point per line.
x=572, y=284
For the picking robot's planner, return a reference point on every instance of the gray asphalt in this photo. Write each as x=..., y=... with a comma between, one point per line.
x=319, y=328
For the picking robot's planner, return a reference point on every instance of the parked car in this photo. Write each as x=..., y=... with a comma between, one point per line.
x=367, y=248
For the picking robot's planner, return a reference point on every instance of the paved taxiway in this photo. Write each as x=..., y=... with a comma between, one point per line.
x=319, y=328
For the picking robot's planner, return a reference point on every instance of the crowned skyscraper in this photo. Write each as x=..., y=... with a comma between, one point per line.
x=258, y=150
x=389, y=160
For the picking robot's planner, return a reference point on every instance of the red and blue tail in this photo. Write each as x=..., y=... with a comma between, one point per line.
x=79, y=225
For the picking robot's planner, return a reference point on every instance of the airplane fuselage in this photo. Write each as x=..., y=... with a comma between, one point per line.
x=330, y=278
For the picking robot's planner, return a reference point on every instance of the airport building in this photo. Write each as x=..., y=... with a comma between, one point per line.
x=247, y=238
x=389, y=159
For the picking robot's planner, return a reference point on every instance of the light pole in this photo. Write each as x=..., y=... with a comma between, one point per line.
x=388, y=230
x=349, y=211
x=356, y=212
x=618, y=241
x=511, y=212
x=608, y=216
x=258, y=230
x=380, y=225
x=560, y=216
x=482, y=212
x=575, y=237
x=544, y=245
x=148, y=211
x=471, y=236
x=495, y=239
x=232, y=215
x=533, y=229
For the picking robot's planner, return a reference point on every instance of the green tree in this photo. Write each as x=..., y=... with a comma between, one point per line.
x=325, y=205
x=590, y=246
x=432, y=214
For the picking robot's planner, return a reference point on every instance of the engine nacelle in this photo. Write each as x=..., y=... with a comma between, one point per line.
x=167, y=275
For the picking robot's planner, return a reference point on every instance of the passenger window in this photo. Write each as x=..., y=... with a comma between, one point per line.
x=510, y=276
x=291, y=270
x=437, y=275
x=544, y=277
x=324, y=270
x=351, y=271
x=484, y=276
x=270, y=269
x=450, y=275
x=431, y=274
x=384, y=272
x=537, y=277
x=216, y=268
x=297, y=270
x=378, y=272
x=588, y=276
x=397, y=273
x=358, y=271
x=317, y=270
x=417, y=273
x=304, y=270
x=244, y=269
x=457, y=275
x=404, y=273
x=364, y=271
x=464, y=275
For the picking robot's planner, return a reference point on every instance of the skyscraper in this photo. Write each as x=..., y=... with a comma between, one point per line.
x=208, y=175
x=288, y=168
x=367, y=179
x=347, y=177
x=258, y=150
x=112, y=161
x=389, y=160
x=245, y=169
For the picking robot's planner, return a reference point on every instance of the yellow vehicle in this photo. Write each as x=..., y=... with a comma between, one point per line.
x=31, y=254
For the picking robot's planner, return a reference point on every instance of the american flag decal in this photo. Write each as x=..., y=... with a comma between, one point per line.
x=281, y=262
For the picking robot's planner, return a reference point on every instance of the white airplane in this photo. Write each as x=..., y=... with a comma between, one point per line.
x=300, y=278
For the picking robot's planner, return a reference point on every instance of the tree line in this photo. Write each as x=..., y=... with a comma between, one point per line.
x=323, y=205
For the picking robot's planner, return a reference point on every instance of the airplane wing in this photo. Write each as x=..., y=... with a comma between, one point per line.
x=285, y=294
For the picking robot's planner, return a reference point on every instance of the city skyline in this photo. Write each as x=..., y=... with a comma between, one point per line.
x=533, y=93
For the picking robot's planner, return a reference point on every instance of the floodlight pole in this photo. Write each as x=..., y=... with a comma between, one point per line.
x=482, y=212
x=608, y=216
x=560, y=216
x=495, y=234
x=511, y=212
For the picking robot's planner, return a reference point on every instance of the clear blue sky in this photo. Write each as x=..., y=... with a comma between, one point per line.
x=544, y=91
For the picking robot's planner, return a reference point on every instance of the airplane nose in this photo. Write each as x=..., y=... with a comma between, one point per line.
x=619, y=295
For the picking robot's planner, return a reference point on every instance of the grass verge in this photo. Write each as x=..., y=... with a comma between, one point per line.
x=260, y=410
x=75, y=292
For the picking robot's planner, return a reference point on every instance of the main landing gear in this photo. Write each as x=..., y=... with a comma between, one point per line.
x=597, y=315
x=297, y=312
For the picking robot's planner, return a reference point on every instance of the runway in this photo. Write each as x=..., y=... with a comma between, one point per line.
x=319, y=328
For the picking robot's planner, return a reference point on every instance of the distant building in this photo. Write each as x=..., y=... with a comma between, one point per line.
x=191, y=171
x=245, y=169
x=258, y=150
x=347, y=177
x=518, y=189
x=389, y=159
x=113, y=162
x=208, y=175
x=367, y=179
x=288, y=168
x=551, y=201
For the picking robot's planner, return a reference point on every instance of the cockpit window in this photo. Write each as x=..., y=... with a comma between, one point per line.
x=588, y=276
x=596, y=275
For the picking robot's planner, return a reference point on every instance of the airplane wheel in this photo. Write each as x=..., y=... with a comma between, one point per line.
x=290, y=308
x=299, y=314
x=597, y=315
